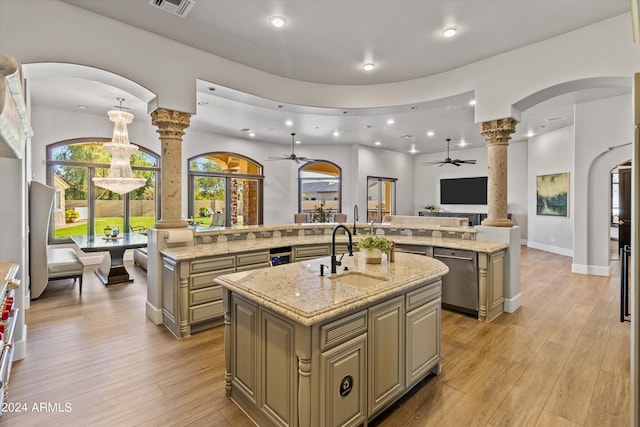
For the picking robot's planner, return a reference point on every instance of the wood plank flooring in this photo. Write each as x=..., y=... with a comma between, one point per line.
x=561, y=360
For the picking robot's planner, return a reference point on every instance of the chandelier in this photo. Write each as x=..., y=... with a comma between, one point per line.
x=120, y=179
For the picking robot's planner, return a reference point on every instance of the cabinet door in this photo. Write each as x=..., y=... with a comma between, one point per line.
x=386, y=353
x=423, y=340
x=343, y=375
x=244, y=335
x=278, y=368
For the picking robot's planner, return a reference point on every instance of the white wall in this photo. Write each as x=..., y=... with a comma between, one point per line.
x=427, y=181
x=599, y=127
x=550, y=153
x=387, y=164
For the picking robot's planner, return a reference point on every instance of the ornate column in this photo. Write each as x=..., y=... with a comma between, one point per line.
x=171, y=126
x=497, y=133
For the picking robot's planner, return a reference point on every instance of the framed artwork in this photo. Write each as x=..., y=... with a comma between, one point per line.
x=552, y=194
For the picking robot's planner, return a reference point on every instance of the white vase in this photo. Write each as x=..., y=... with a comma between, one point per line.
x=373, y=256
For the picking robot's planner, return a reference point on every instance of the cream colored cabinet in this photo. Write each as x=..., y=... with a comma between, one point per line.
x=386, y=353
x=343, y=373
x=244, y=364
x=415, y=249
x=301, y=253
x=423, y=341
x=192, y=301
x=277, y=368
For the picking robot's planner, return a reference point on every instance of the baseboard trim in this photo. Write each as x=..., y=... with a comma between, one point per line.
x=593, y=270
x=154, y=313
x=549, y=248
x=512, y=304
x=20, y=347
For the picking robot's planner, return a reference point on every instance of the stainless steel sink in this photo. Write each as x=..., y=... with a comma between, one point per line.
x=357, y=279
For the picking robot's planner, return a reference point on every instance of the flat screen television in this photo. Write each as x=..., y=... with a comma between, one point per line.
x=463, y=191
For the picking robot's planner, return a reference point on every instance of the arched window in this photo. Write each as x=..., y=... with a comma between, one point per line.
x=82, y=208
x=320, y=190
x=225, y=189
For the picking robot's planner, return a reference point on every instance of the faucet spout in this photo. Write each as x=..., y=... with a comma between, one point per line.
x=334, y=259
x=355, y=218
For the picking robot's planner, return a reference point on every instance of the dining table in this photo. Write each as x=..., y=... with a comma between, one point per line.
x=112, y=270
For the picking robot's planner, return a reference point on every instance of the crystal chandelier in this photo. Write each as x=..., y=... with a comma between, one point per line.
x=120, y=179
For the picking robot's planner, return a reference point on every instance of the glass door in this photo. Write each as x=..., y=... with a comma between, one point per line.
x=381, y=198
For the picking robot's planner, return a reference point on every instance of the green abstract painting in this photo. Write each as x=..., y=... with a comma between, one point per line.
x=552, y=194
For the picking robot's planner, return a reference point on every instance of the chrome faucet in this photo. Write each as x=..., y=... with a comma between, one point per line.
x=334, y=261
x=355, y=218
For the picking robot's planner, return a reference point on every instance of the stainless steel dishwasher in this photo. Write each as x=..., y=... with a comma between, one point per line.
x=460, y=285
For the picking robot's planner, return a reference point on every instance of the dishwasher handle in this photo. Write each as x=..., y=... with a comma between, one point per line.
x=453, y=257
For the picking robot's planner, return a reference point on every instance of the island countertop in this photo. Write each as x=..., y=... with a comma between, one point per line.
x=298, y=292
x=183, y=253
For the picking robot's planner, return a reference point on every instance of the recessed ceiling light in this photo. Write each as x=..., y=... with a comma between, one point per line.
x=368, y=66
x=530, y=134
x=336, y=133
x=297, y=141
x=82, y=107
x=413, y=149
x=462, y=143
x=252, y=135
x=390, y=121
x=449, y=32
x=472, y=102
x=377, y=143
x=203, y=103
x=430, y=133
x=289, y=123
x=278, y=21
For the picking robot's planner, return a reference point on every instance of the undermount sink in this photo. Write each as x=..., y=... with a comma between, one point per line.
x=357, y=279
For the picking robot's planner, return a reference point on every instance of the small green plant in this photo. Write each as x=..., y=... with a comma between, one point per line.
x=204, y=211
x=373, y=241
x=71, y=214
x=431, y=208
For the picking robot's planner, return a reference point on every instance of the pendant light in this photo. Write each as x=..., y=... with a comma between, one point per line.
x=120, y=179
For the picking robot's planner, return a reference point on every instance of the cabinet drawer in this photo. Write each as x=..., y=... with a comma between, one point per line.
x=311, y=251
x=252, y=258
x=423, y=295
x=254, y=266
x=203, y=312
x=341, y=330
x=214, y=263
x=202, y=280
x=200, y=296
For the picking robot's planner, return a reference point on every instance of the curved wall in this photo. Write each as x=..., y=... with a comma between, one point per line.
x=170, y=69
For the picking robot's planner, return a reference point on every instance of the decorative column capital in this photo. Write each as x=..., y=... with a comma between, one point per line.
x=171, y=124
x=498, y=132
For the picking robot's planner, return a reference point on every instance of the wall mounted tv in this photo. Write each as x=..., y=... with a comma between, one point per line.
x=463, y=191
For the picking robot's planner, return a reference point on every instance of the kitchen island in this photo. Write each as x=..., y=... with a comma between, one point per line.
x=308, y=350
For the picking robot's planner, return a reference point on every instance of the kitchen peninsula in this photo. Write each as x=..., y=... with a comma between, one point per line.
x=311, y=350
x=192, y=300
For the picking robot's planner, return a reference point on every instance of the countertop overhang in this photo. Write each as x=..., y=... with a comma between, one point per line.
x=298, y=292
x=183, y=253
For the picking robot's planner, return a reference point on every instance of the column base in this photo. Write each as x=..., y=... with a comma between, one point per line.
x=498, y=222
x=171, y=223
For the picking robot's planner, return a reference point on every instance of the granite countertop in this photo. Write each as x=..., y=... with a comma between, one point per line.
x=298, y=292
x=183, y=253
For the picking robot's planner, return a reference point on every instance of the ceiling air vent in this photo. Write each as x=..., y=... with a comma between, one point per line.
x=174, y=7
x=555, y=119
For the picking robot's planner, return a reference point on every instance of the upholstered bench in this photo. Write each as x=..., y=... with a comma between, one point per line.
x=64, y=263
x=140, y=257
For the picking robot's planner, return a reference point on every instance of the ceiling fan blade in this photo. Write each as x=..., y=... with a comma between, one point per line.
x=276, y=158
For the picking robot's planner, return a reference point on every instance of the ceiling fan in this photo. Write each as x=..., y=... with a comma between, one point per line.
x=449, y=161
x=292, y=156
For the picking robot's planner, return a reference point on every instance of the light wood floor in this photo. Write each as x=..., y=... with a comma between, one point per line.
x=561, y=360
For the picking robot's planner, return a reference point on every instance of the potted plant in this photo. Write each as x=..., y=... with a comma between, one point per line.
x=431, y=208
x=71, y=215
x=374, y=245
